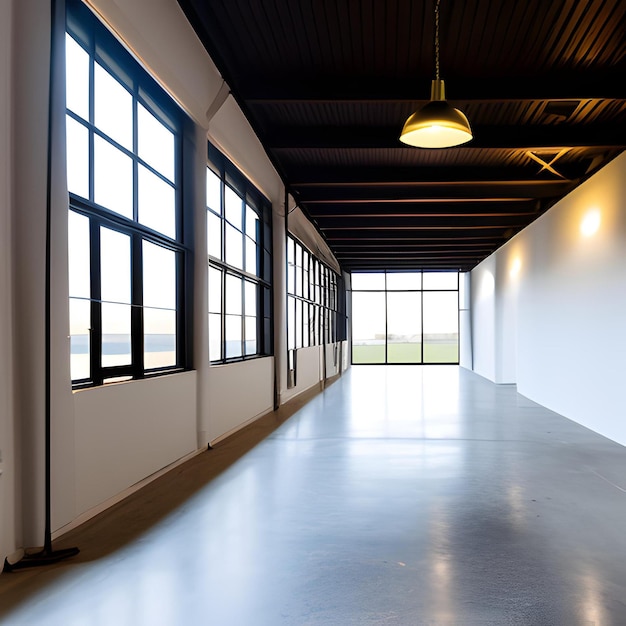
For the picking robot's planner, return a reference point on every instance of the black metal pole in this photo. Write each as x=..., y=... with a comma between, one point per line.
x=47, y=555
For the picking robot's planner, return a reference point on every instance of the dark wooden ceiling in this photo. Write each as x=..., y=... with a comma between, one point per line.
x=328, y=84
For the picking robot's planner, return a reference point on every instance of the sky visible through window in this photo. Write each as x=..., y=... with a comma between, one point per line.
x=405, y=317
x=122, y=158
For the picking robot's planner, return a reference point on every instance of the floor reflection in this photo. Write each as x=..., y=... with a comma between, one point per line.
x=401, y=495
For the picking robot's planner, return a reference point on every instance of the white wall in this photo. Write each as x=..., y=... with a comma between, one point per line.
x=238, y=393
x=561, y=302
x=29, y=122
x=7, y=430
x=127, y=431
x=483, y=312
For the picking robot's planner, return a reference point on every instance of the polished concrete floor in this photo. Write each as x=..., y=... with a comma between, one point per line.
x=400, y=495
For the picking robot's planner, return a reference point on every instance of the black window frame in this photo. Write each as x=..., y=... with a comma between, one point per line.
x=316, y=293
x=230, y=177
x=421, y=290
x=102, y=47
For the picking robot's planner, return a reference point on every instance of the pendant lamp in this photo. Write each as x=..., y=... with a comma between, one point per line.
x=437, y=124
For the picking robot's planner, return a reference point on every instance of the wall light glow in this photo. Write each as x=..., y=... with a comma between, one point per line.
x=590, y=223
x=516, y=266
x=487, y=285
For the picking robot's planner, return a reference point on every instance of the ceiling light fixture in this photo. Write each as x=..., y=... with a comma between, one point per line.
x=437, y=124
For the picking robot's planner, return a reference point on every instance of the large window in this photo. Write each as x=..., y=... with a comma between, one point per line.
x=127, y=254
x=314, y=314
x=405, y=317
x=239, y=240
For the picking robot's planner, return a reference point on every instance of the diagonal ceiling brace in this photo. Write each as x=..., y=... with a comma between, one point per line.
x=548, y=166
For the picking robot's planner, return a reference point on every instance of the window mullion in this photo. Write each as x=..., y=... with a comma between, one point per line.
x=95, y=354
x=136, y=311
x=223, y=315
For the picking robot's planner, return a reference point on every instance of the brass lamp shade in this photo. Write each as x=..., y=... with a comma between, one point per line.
x=437, y=124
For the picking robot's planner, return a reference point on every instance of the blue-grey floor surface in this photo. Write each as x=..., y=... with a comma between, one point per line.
x=399, y=495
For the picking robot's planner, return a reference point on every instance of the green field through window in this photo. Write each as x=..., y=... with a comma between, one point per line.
x=406, y=353
x=405, y=317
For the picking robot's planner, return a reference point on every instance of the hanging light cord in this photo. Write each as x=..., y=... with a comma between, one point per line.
x=437, y=39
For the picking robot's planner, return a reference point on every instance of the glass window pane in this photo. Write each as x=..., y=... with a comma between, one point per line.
x=115, y=334
x=291, y=278
x=251, y=332
x=76, y=78
x=368, y=281
x=155, y=143
x=298, y=255
x=215, y=290
x=312, y=321
x=233, y=336
x=305, y=325
x=291, y=254
x=368, y=327
x=214, y=235
x=305, y=282
x=215, y=337
x=233, y=205
x=113, y=178
x=251, y=256
x=159, y=338
x=113, y=108
x=324, y=326
x=441, y=327
x=298, y=271
x=159, y=276
x=80, y=323
x=250, y=298
x=213, y=191
x=78, y=255
x=315, y=326
x=77, y=152
x=114, y=266
x=404, y=280
x=404, y=327
x=298, y=323
x=234, y=247
x=233, y=295
x=291, y=323
x=156, y=203
x=441, y=280
x=252, y=223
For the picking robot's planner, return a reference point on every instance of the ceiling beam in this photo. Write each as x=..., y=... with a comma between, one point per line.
x=449, y=234
x=390, y=215
x=420, y=191
x=426, y=208
x=418, y=175
x=419, y=222
x=498, y=137
x=606, y=83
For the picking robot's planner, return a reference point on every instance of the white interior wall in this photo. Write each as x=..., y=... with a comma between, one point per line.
x=29, y=121
x=238, y=393
x=127, y=431
x=562, y=298
x=7, y=431
x=483, y=312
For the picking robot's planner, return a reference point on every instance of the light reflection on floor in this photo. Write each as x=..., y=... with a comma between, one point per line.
x=401, y=495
